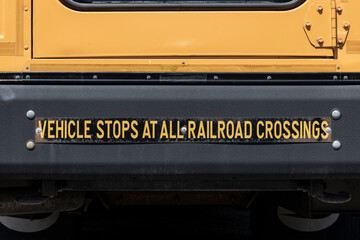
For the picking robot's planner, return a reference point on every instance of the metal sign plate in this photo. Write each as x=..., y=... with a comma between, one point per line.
x=172, y=130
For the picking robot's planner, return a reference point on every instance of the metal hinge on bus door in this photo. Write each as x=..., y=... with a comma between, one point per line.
x=321, y=25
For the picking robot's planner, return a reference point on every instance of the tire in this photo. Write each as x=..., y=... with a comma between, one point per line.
x=63, y=227
x=267, y=224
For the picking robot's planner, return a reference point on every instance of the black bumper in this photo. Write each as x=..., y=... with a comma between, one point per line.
x=248, y=161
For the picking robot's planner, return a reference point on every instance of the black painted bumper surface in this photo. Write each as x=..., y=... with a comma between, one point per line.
x=276, y=161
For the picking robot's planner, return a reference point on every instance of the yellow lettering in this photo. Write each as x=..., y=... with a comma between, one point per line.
x=212, y=136
x=108, y=122
x=146, y=132
x=164, y=132
x=230, y=129
x=221, y=128
x=172, y=136
x=307, y=129
x=287, y=135
x=101, y=135
x=201, y=132
x=78, y=135
x=260, y=136
x=324, y=135
x=59, y=128
x=135, y=133
x=153, y=123
x=268, y=129
x=295, y=123
x=191, y=129
x=178, y=133
x=117, y=129
x=43, y=128
x=238, y=131
x=248, y=129
x=87, y=128
x=315, y=129
x=277, y=128
x=125, y=127
x=50, y=128
x=71, y=135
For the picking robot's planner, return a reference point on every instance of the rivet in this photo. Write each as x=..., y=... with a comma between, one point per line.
x=336, y=145
x=26, y=47
x=320, y=9
x=26, y=9
x=336, y=114
x=328, y=130
x=27, y=77
x=216, y=77
x=183, y=63
x=38, y=130
x=95, y=77
x=30, y=145
x=30, y=114
x=183, y=130
x=268, y=78
x=320, y=41
x=308, y=25
x=148, y=77
x=27, y=67
x=338, y=67
x=335, y=78
x=340, y=41
x=345, y=77
x=17, y=77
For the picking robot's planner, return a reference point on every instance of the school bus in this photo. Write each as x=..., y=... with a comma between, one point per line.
x=242, y=102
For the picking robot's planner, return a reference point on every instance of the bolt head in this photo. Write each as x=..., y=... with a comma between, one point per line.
x=320, y=41
x=148, y=77
x=268, y=78
x=30, y=145
x=308, y=25
x=216, y=77
x=336, y=114
x=346, y=26
x=339, y=10
x=320, y=9
x=336, y=145
x=30, y=114
x=345, y=77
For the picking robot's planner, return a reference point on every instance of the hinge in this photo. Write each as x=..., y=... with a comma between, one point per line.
x=319, y=22
x=342, y=25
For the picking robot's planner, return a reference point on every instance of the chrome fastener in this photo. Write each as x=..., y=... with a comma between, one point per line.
x=336, y=114
x=30, y=114
x=328, y=130
x=183, y=129
x=336, y=145
x=38, y=130
x=30, y=145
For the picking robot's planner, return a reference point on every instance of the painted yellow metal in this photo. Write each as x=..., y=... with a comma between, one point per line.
x=317, y=24
x=177, y=33
x=195, y=41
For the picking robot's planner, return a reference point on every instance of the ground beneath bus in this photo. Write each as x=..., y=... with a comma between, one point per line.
x=166, y=222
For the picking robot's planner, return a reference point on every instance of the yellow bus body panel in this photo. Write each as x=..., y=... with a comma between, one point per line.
x=45, y=35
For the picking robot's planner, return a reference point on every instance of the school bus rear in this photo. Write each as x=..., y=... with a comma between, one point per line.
x=193, y=100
